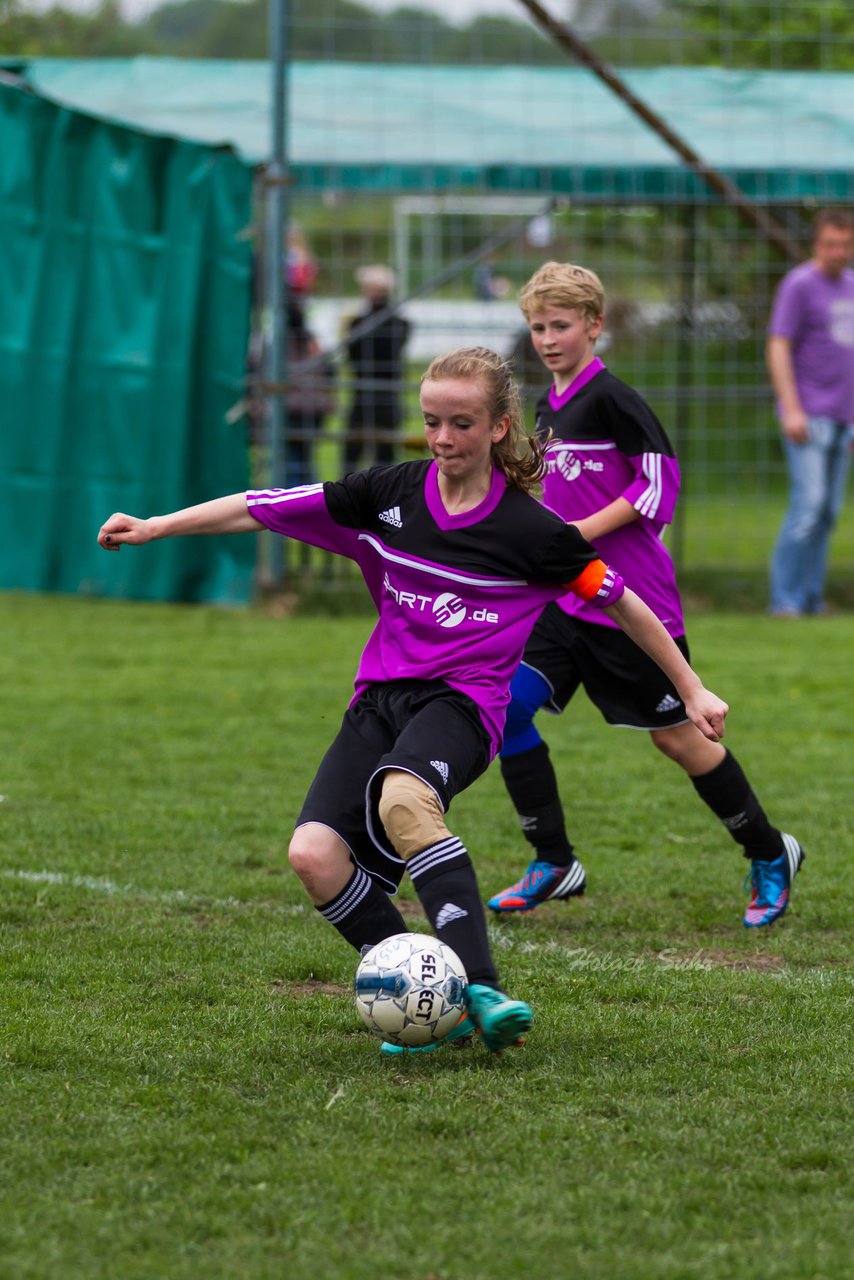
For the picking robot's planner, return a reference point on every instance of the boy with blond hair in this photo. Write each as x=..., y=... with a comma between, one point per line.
x=612, y=472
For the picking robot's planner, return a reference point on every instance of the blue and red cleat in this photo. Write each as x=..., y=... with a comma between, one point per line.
x=771, y=884
x=541, y=882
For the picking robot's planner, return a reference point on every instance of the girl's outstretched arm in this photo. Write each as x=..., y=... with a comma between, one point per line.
x=222, y=515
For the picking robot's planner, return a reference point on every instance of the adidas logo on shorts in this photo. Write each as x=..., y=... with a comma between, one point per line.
x=392, y=516
x=441, y=768
x=668, y=703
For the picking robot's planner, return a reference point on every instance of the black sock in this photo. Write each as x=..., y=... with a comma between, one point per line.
x=730, y=797
x=445, y=881
x=362, y=913
x=531, y=783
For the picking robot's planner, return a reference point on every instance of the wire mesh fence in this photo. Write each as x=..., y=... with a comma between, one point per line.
x=459, y=158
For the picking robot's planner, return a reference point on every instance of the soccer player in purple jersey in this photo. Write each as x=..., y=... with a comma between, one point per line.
x=611, y=472
x=459, y=559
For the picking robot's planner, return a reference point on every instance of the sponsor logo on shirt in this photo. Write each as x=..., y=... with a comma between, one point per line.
x=570, y=466
x=448, y=609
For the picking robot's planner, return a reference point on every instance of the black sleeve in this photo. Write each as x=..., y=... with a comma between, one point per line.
x=563, y=556
x=542, y=416
x=630, y=422
x=356, y=500
x=350, y=501
x=541, y=547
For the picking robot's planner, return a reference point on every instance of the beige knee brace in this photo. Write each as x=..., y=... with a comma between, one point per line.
x=411, y=813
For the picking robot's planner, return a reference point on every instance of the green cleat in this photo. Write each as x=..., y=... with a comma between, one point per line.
x=464, y=1028
x=501, y=1021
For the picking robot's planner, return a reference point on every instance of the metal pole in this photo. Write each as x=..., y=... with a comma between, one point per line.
x=277, y=218
x=685, y=353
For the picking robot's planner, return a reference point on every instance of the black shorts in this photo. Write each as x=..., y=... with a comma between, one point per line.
x=421, y=727
x=627, y=686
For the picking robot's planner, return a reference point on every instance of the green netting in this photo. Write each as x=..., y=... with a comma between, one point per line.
x=783, y=136
x=124, y=300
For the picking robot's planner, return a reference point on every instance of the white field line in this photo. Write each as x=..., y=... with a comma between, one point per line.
x=99, y=884
x=584, y=959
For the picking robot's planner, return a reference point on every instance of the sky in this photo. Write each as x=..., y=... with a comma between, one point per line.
x=458, y=11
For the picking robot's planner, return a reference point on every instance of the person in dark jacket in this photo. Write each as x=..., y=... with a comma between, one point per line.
x=376, y=359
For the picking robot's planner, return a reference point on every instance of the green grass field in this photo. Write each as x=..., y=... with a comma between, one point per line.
x=186, y=1090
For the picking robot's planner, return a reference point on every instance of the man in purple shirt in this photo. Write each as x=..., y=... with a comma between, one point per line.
x=612, y=473
x=811, y=362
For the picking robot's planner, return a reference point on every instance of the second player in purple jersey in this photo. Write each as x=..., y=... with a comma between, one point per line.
x=612, y=472
x=604, y=442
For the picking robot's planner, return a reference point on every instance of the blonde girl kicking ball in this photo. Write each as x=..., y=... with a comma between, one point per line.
x=459, y=559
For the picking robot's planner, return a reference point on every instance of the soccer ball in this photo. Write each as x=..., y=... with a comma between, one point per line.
x=410, y=989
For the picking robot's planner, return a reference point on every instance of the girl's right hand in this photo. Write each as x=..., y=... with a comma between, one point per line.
x=120, y=529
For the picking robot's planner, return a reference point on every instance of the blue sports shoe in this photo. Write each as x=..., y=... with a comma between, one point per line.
x=541, y=882
x=465, y=1027
x=501, y=1021
x=771, y=884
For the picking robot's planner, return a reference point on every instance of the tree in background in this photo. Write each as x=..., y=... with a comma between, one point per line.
x=770, y=35
x=61, y=33
x=765, y=34
x=340, y=30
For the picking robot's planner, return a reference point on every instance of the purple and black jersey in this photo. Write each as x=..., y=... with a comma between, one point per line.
x=608, y=444
x=457, y=595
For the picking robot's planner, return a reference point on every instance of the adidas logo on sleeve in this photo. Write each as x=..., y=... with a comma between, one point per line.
x=392, y=516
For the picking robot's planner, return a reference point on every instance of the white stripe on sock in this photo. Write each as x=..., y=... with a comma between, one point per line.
x=358, y=888
x=434, y=855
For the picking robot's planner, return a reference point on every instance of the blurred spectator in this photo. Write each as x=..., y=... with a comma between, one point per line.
x=487, y=285
x=310, y=398
x=527, y=368
x=300, y=263
x=376, y=359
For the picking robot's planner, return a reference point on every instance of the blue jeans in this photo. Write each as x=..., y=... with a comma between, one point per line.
x=818, y=471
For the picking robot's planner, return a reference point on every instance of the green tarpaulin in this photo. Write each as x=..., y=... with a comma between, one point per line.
x=782, y=135
x=124, y=300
